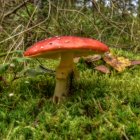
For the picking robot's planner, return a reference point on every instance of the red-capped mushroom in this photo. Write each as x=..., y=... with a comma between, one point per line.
x=65, y=47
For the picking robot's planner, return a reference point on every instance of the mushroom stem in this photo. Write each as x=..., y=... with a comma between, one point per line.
x=63, y=71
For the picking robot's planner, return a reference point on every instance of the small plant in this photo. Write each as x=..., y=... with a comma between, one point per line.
x=19, y=67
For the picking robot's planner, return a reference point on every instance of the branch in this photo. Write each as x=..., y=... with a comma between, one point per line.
x=15, y=9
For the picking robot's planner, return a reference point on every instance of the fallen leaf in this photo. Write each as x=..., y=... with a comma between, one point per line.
x=102, y=69
x=135, y=62
x=92, y=58
x=118, y=63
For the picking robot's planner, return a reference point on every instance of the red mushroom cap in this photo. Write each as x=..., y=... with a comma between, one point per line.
x=52, y=47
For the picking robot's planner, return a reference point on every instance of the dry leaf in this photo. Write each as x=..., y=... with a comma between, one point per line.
x=118, y=63
x=135, y=62
x=102, y=69
x=88, y=59
x=92, y=58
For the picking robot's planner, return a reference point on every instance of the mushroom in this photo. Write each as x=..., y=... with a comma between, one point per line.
x=65, y=47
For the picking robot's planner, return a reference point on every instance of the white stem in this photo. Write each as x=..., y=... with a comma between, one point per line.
x=65, y=68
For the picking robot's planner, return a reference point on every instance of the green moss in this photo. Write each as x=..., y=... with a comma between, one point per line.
x=99, y=107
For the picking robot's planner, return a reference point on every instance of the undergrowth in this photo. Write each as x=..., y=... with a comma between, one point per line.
x=100, y=107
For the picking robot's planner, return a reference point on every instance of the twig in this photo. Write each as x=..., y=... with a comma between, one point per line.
x=110, y=21
x=26, y=30
x=15, y=9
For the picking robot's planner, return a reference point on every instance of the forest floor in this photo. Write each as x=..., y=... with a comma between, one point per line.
x=101, y=106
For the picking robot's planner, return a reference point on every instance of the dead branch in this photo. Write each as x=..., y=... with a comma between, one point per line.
x=16, y=9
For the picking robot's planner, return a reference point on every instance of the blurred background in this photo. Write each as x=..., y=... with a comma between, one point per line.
x=114, y=22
